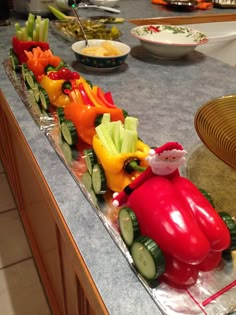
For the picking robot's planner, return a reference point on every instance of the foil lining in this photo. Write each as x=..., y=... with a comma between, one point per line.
x=215, y=291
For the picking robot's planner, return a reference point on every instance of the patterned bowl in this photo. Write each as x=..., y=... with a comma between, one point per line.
x=101, y=63
x=168, y=41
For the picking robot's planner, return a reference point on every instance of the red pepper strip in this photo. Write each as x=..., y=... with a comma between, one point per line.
x=102, y=97
x=20, y=46
x=205, y=215
x=84, y=95
x=109, y=97
x=164, y=216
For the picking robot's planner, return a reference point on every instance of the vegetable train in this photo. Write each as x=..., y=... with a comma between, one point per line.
x=169, y=226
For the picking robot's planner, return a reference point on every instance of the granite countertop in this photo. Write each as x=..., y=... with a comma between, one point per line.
x=164, y=95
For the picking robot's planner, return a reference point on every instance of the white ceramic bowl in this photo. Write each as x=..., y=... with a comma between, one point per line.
x=105, y=3
x=168, y=41
x=101, y=63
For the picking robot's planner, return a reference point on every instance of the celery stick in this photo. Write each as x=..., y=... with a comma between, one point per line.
x=131, y=123
x=41, y=29
x=45, y=30
x=19, y=34
x=117, y=127
x=129, y=141
x=31, y=17
x=24, y=34
x=106, y=118
x=18, y=30
x=58, y=14
x=106, y=139
x=36, y=33
x=38, y=19
x=17, y=27
x=30, y=28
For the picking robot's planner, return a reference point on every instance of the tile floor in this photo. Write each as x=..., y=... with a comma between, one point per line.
x=21, y=292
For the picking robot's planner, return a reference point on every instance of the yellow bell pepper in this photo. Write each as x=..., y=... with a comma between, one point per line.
x=115, y=166
x=53, y=84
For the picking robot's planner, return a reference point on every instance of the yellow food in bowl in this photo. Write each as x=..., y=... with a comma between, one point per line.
x=105, y=49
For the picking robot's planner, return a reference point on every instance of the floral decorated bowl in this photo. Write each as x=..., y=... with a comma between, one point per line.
x=168, y=41
x=96, y=62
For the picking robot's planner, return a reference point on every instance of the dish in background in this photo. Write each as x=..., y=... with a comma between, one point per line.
x=215, y=123
x=168, y=41
x=70, y=30
x=97, y=63
x=107, y=3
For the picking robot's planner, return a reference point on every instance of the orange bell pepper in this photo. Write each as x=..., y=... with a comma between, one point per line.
x=39, y=61
x=84, y=118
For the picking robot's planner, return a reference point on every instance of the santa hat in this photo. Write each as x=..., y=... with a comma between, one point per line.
x=169, y=146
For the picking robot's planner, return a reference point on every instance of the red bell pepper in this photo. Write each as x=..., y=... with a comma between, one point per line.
x=206, y=216
x=176, y=215
x=165, y=217
x=211, y=262
x=179, y=274
x=19, y=47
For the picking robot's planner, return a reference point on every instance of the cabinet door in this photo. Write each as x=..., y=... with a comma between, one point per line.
x=38, y=214
x=75, y=297
x=34, y=205
x=6, y=151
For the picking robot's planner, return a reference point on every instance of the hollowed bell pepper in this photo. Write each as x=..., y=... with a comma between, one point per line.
x=41, y=61
x=114, y=166
x=84, y=118
x=20, y=47
x=54, y=85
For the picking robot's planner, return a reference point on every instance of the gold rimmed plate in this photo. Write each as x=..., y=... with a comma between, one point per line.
x=215, y=123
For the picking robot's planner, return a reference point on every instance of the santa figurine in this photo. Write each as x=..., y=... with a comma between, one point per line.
x=163, y=161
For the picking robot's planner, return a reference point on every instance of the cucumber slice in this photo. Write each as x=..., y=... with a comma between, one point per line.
x=36, y=91
x=70, y=153
x=44, y=99
x=30, y=80
x=14, y=60
x=228, y=220
x=87, y=181
x=99, y=180
x=148, y=258
x=61, y=115
x=24, y=70
x=207, y=196
x=231, y=225
x=67, y=152
x=69, y=132
x=90, y=159
x=129, y=227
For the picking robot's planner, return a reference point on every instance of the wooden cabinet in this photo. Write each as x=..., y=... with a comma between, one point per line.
x=67, y=282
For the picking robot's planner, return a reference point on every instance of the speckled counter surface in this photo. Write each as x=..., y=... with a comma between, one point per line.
x=164, y=95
